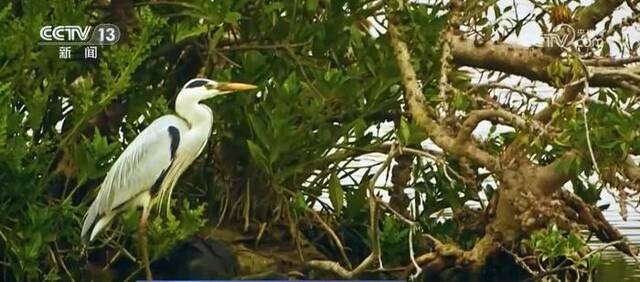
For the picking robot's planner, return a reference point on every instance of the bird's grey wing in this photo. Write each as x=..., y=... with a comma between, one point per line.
x=138, y=168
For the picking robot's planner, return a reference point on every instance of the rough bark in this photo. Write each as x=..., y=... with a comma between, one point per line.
x=528, y=62
x=525, y=198
x=532, y=62
x=587, y=17
x=529, y=195
x=593, y=218
x=400, y=176
x=417, y=109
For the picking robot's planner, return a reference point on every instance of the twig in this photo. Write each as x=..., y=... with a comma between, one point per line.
x=416, y=106
x=335, y=267
x=412, y=253
x=395, y=212
x=247, y=206
x=584, y=113
x=225, y=205
x=124, y=251
x=561, y=268
x=586, y=127
x=133, y=273
x=524, y=92
x=620, y=73
x=601, y=248
x=262, y=47
x=333, y=235
x=607, y=62
x=60, y=261
x=373, y=204
x=520, y=261
x=542, y=274
x=229, y=60
x=630, y=86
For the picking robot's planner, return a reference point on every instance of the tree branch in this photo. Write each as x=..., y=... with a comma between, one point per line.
x=414, y=98
x=587, y=17
x=334, y=267
x=631, y=171
x=333, y=235
x=528, y=62
x=609, y=62
x=374, y=216
x=475, y=117
x=596, y=222
x=570, y=94
x=518, y=60
x=550, y=179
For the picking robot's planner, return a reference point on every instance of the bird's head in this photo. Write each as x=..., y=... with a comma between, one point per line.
x=200, y=89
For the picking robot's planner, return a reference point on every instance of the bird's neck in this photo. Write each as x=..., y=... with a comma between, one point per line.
x=197, y=115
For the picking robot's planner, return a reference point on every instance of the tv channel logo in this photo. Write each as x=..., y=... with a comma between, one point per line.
x=102, y=34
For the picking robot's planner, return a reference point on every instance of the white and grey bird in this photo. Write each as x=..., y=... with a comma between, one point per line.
x=147, y=171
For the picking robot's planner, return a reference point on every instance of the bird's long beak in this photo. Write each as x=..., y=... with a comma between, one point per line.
x=234, y=86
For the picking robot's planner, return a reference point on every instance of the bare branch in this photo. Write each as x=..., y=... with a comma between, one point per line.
x=253, y=46
x=619, y=74
x=631, y=171
x=445, y=57
x=608, y=62
x=373, y=229
x=507, y=117
x=570, y=94
x=417, y=107
x=633, y=88
x=333, y=235
x=373, y=205
x=587, y=17
x=596, y=222
x=549, y=178
x=529, y=62
x=332, y=266
x=518, y=60
x=400, y=177
x=399, y=214
x=522, y=91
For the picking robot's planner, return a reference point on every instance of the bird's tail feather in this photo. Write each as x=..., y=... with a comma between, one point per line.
x=94, y=223
x=90, y=220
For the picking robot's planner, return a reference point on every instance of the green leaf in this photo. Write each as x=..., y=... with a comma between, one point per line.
x=299, y=204
x=336, y=194
x=359, y=127
x=357, y=199
x=404, y=132
x=460, y=102
x=258, y=155
x=232, y=17
x=311, y=5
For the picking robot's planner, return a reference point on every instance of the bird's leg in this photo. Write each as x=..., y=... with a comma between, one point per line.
x=142, y=242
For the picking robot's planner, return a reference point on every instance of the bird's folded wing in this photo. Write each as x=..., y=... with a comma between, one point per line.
x=139, y=166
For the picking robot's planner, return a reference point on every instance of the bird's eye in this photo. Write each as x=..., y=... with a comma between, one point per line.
x=209, y=86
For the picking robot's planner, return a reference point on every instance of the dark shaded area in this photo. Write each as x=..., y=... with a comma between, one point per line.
x=195, y=259
x=499, y=268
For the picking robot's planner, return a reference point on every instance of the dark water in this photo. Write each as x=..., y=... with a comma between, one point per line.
x=615, y=266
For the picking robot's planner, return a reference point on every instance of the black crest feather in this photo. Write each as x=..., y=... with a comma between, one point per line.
x=196, y=83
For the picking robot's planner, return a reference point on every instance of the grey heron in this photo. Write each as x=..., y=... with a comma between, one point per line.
x=148, y=169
